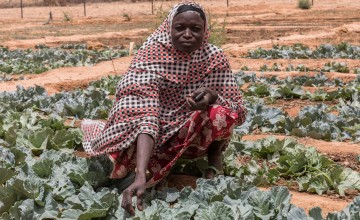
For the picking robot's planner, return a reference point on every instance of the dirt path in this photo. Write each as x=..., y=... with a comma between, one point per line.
x=346, y=77
x=240, y=49
x=312, y=64
x=293, y=106
x=131, y=35
x=69, y=78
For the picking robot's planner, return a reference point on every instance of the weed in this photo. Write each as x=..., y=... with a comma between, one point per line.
x=161, y=14
x=304, y=4
x=126, y=17
x=264, y=68
x=245, y=68
x=357, y=71
x=275, y=67
x=66, y=16
x=217, y=31
x=302, y=68
x=336, y=67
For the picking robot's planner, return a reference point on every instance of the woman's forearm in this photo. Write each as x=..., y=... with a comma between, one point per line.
x=144, y=148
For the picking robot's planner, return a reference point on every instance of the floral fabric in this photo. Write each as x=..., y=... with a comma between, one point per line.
x=192, y=141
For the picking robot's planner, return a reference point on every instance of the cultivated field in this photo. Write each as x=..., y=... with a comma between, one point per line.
x=299, y=74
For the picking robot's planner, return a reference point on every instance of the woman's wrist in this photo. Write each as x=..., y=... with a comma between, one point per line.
x=140, y=176
x=215, y=96
x=145, y=145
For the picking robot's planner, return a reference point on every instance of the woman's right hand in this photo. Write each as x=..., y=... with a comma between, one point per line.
x=201, y=98
x=136, y=188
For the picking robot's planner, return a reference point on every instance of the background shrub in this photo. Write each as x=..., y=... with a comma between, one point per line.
x=304, y=4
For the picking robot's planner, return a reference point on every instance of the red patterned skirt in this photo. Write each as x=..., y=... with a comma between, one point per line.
x=191, y=142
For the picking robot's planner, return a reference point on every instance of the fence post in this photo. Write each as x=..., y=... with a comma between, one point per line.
x=152, y=7
x=227, y=3
x=312, y=2
x=85, y=8
x=21, y=6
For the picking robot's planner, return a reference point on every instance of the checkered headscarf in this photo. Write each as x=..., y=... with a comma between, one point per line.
x=158, y=53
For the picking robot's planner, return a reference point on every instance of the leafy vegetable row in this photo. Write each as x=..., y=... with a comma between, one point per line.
x=300, y=51
x=291, y=91
x=40, y=60
x=340, y=67
x=312, y=121
x=318, y=80
x=87, y=103
x=267, y=160
x=59, y=185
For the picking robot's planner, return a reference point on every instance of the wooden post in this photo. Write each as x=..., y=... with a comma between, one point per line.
x=312, y=2
x=21, y=6
x=85, y=8
x=227, y=3
x=152, y=7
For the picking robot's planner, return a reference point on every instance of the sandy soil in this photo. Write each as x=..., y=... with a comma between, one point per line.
x=292, y=107
x=248, y=24
x=69, y=78
x=312, y=64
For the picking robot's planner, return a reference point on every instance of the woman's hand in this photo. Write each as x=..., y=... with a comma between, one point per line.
x=136, y=188
x=201, y=99
x=144, y=147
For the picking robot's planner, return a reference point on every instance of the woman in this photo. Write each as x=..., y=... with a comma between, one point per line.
x=177, y=99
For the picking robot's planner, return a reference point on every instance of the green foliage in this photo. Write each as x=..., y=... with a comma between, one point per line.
x=56, y=185
x=274, y=67
x=217, y=30
x=42, y=59
x=272, y=159
x=304, y=4
x=318, y=80
x=291, y=88
x=300, y=51
x=38, y=182
x=37, y=132
x=108, y=84
x=88, y=103
x=300, y=68
x=313, y=121
x=60, y=185
x=245, y=68
x=336, y=67
x=67, y=17
x=161, y=15
x=126, y=17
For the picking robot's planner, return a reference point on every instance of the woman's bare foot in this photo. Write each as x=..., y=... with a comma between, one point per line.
x=214, y=159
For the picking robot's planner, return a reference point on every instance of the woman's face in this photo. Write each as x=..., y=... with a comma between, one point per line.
x=187, y=31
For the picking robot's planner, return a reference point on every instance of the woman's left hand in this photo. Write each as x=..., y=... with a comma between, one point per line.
x=136, y=188
x=201, y=99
